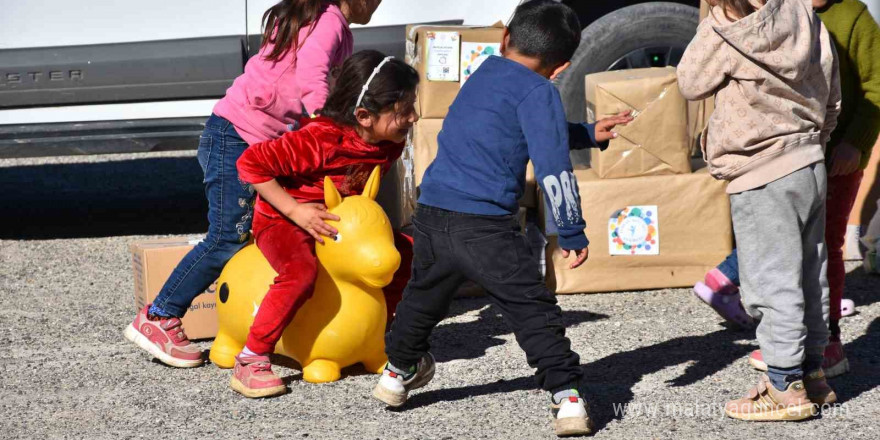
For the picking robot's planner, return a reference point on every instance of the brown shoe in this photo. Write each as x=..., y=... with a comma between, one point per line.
x=766, y=403
x=817, y=388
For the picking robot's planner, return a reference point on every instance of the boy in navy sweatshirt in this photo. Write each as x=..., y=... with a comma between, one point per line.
x=465, y=226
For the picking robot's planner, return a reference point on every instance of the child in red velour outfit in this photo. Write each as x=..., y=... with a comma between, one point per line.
x=363, y=124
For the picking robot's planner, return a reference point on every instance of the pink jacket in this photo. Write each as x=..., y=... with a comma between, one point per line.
x=270, y=96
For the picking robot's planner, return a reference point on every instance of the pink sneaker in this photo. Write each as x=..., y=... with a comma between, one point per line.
x=253, y=377
x=723, y=296
x=834, y=364
x=164, y=339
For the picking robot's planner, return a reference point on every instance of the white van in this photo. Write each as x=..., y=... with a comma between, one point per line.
x=95, y=76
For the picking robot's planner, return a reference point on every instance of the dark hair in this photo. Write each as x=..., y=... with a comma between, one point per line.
x=394, y=82
x=283, y=22
x=546, y=30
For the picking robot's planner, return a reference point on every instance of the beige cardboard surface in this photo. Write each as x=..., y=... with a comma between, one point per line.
x=425, y=147
x=695, y=233
x=435, y=97
x=656, y=141
x=152, y=262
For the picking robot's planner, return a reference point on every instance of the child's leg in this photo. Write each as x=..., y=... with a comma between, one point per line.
x=816, y=278
x=772, y=224
x=230, y=212
x=291, y=252
x=499, y=258
x=842, y=191
x=730, y=268
x=767, y=223
x=394, y=291
x=428, y=294
x=496, y=255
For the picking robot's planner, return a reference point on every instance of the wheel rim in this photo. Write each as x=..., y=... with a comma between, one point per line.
x=655, y=56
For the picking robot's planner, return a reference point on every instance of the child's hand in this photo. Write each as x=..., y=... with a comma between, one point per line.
x=582, y=256
x=311, y=217
x=604, y=126
x=844, y=160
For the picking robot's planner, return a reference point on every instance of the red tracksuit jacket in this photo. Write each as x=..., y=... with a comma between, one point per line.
x=300, y=159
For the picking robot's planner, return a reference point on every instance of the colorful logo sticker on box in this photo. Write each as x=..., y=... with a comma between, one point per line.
x=473, y=55
x=443, y=56
x=634, y=230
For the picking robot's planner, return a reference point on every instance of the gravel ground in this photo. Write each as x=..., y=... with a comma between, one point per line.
x=66, y=296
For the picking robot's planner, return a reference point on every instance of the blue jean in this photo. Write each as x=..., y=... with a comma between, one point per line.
x=730, y=267
x=230, y=213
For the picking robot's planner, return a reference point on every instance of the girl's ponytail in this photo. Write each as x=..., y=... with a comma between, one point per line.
x=283, y=22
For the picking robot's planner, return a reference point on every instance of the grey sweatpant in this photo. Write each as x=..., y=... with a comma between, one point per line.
x=780, y=238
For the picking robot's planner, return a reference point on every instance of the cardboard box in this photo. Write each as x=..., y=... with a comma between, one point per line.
x=656, y=141
x=864, y=207
x=692, y=233
x=436, y=92
x=425, y=147
x=153, y=261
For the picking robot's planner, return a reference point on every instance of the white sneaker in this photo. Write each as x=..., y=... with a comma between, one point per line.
x=571, y=417
x=393, y=388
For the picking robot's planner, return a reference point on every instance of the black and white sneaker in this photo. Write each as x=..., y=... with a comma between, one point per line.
x=394, y=387
x=570, y=417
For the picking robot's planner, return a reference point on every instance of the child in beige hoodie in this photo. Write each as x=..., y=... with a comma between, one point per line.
x=773, y=70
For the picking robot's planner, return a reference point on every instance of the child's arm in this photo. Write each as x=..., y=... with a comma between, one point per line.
x=315, y=58
x=864, y=51
x=704, y=65
x=293, y=154
x=832, y=107
x=596, y=135
x=309, y=216
x=546, y=134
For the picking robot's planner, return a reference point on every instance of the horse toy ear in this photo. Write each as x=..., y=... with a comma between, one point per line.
x=371, y=189
x=332, y=198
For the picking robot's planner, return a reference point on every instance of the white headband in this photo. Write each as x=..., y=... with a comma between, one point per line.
x=369, y=80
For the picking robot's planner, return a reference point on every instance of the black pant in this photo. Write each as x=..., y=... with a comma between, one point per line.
x=452, y=247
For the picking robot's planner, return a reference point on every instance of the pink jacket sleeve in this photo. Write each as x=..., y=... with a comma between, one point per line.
x=319, y=53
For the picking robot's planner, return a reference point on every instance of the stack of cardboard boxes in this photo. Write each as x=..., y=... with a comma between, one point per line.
x=444, y=56
x=653, y=221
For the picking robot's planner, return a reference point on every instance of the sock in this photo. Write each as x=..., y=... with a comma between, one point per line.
x=562, y=393
x=155, y=311
x=812, y=363
x=248, y=352
x=782, y=377
x=405, y=372
x=834, y=328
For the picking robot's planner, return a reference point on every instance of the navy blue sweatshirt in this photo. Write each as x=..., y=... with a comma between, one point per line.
x=504, y=115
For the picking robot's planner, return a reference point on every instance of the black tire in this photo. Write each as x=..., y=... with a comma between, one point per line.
x=606, y=42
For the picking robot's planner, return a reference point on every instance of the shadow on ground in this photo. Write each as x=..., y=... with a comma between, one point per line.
x=149, y=196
